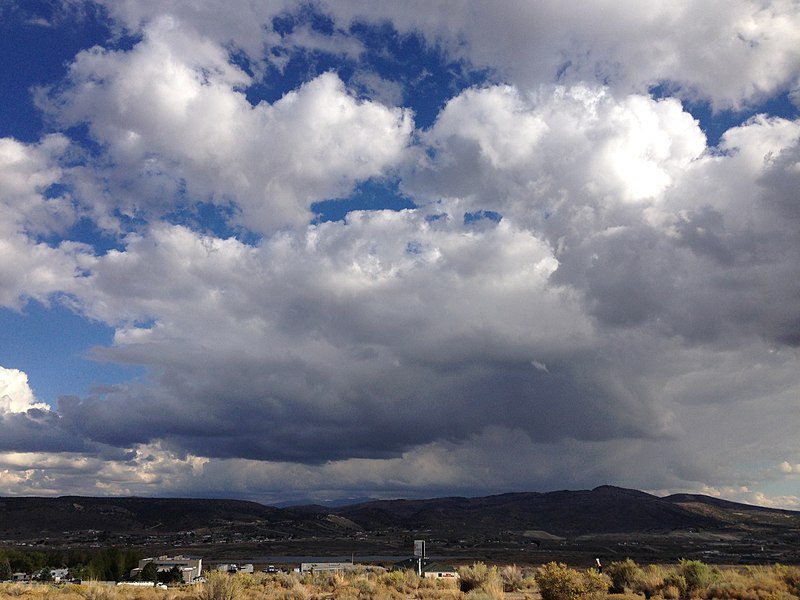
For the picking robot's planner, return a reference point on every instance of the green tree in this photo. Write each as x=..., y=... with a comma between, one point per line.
x=149, y=572
x=174, y=575
x=5, y=568
x=79, y=571
x=109, y=565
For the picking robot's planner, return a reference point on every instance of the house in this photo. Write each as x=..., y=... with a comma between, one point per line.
x=439, y=571
x=59, y=575
x=427, y=568
x=190, y=567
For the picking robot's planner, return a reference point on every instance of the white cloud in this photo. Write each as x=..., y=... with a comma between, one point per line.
x=172, y=114
x=16, y=396
x=731, y=54
x=142, y=467
x=789, y=502
x=30, y=268
x=531, y=155
x=789, y=468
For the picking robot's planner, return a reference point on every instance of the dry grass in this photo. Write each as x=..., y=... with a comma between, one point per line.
x=480, y=582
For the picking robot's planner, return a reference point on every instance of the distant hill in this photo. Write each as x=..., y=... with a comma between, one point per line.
x=22, y=516
x=603, y=510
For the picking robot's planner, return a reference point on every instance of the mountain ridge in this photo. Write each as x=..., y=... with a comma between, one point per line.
x=604, y=510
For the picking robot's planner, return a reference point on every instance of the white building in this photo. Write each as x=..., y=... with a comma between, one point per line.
x=190, y=567
x=59, y=575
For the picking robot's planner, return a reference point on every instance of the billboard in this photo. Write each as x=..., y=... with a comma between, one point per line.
x=419, y=548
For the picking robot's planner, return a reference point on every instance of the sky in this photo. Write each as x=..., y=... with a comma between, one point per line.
x=287, y=251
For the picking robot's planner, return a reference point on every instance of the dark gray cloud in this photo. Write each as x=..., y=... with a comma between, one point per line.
x=38, y=430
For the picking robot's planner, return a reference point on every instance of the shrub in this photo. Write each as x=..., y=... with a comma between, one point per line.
x=296, y=592
x=99, y=591
x=493, y=586
x=557, y=581
x=512, y=578
x=595, y=584
x=650, y=581
x=15, y=589
x=697, y=574
x=220, y=586
x=624, y=575
x=285, y=580
x=485, y=581
x=677, y=581
x=411, y=580
x=790, y=576
x=393, y=579
x=471, y=577
x=365, y=587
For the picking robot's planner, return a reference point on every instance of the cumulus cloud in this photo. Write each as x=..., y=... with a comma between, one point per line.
x=307, y=333
x=528, y=154
x=16, y=396
x=177, y=127
x=730, y=55
x=584, y=284
x=32, y=209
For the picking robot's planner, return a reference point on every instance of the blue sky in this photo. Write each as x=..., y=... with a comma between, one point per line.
x=327, y=250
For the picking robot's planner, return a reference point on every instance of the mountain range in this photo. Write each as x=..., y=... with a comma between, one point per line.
x=604, y=513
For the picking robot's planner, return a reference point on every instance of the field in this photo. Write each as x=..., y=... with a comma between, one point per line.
x=622, y=580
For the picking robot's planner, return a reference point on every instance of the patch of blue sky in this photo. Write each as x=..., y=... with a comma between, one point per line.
x=289, y=68
x=482, y=216
x=424, y=75
x=715, y=123
x=372, y=194
x=85, y=231
x=63, y=367
x=429, y=77
x=38, y=40
x=218, y=220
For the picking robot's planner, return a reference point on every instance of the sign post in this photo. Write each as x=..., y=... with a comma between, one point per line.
x=419, y=552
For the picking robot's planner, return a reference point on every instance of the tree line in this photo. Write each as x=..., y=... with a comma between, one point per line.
x=108, y=564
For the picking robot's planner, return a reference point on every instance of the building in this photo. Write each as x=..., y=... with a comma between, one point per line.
x=427, y=568
x=439, y=571
x=329, y=567
x=190, y=567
